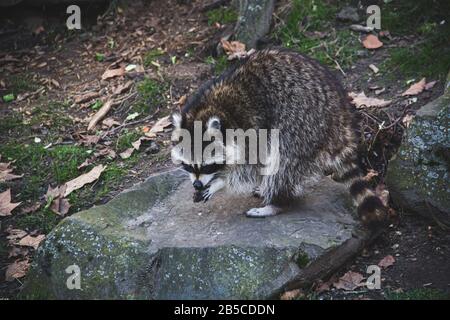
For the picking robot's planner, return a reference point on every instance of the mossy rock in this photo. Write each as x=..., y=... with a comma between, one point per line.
x=418, y=176
x=153, y=242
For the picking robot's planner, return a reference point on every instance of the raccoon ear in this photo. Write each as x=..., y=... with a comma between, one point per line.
x=176, y=120
x=213, y=123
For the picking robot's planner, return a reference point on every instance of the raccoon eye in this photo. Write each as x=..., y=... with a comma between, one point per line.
x=187, y=167
x=210, y=168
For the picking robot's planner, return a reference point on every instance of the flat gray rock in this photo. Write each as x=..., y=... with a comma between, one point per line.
x=153, y=242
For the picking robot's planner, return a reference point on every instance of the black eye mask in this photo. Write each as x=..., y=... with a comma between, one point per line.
x=208, y=169
x=187, y=167
x=211, y=168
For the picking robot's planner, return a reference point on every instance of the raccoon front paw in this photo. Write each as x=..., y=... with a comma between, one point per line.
x=207, y=194
x=266, y=211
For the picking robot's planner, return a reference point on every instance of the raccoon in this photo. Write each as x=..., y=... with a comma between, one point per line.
x=277, y=88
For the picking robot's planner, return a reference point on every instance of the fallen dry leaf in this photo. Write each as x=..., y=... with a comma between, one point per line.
x=372, y=42
x=6, y=206
x=89, y=140
x=386, y=262
x=291, y=295
x=182, y=100
x=113, y=73
x=361, y=100
x=416, y=88
x=14, y=235
x=53, y=193
x=18, y=252
x=30, y=241
x=101, y=113
x=235, y=49
x=323, y=287
x=137, y=144
x=60, y=206
x=159, y=126
x=349, y=281
x=6, y=172
x=106, y=152
x=127, y=153
x=430, y=85
x=109, y=122
x=84, y=179
x=16, y=270
x=407, y=119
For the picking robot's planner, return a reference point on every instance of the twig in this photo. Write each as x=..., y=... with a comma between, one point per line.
x=337, y=64
x=126, y=124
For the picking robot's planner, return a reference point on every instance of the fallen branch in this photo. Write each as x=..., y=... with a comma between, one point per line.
x=100, y=114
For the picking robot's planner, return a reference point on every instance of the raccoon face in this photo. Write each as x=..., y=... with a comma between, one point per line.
x=205, y=167
x=202, y=175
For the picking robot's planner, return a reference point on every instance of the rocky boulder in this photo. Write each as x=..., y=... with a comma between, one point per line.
x=418, y=177
x=153, y=242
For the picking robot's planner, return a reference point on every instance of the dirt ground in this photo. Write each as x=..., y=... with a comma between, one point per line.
x=165, y=50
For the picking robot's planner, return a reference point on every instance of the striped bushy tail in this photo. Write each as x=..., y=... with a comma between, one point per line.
x=371, y=210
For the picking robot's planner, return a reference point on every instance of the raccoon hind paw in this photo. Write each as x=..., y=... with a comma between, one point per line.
x=267, y=211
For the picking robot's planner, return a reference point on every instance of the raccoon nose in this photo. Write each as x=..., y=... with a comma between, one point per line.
x=197, y=184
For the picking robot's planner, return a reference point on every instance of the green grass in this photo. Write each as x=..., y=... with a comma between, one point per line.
x=151, y=96
x=51, y=114
x=428, y=53
x=418, y=294
x=419, y=61
x=401, y=17
x=220, y=64
x=126, y=139
x=65, y=161
x=223, y=15
x=110, y=178
x=10, y=123
x=43, y=220
x=43, y=166
x=152, y=55
x=19, y=84
x=317, y=15
x=428, y=58
x=309, y=16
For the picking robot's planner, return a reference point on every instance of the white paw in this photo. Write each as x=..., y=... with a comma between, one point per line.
x=266, y=211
